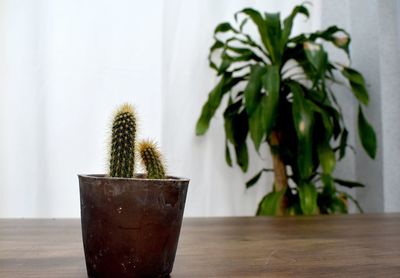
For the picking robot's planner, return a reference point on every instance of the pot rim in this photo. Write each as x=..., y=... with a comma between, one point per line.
x=136, y=178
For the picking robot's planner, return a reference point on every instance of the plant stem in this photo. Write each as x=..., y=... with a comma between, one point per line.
x=281, y=179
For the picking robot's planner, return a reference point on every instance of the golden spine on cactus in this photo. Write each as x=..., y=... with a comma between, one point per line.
x=152, y=160
x=122, y=155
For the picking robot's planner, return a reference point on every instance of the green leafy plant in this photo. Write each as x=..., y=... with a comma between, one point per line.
x=278, y=91
x=123, y=150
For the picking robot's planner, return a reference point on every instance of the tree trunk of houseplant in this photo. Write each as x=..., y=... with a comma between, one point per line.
x=280, y=175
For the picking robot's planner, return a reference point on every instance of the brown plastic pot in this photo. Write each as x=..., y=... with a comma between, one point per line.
x=130, y=227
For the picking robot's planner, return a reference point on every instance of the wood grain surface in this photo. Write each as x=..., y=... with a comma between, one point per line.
x=323, y=246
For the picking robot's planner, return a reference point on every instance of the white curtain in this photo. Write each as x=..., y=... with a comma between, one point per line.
x=66, y=64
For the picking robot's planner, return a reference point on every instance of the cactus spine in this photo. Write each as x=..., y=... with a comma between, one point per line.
x=152, y=160
x=122, y=155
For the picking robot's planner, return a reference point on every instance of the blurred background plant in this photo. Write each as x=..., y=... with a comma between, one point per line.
x=279, y=92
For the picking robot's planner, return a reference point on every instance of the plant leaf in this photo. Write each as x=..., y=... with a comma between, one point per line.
x=273, y=39
x=209, y=108
x=244, y=54
x=236, y=130
x=246, y=41
x=326, y=158
x=228, y=60
x=238, y=50
x=258, y=20
x=349, y=184
x=263, y=116
x=242, y=24
x=357, y=84
x=270, y=204
x=258, y=121
x=224, y=27
x=353, y=200
x=217, y=45
x=329, y=35
x=303, y=120
x=240, y=130
x=329, y=187
x=228, y=157
x=294, y=210
x=214, y=99
x=253, y=88
x=288, y=22
x=308, y=198
x=337, y=206
x=297, y=53
x=240, y=127
x=271, y=84
x=323, y=112
x=317, y=56
x=269, y=30
x=343, y=143
x=367, y=135
x=229, y=114
x=254, y=179
x=242, y=156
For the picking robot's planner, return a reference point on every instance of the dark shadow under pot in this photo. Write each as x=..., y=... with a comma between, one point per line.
x=131, y=226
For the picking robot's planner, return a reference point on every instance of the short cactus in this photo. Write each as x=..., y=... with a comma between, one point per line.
x=122, y=155
x=152, y=160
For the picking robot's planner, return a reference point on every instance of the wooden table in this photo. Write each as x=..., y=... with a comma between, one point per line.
x=329, y=246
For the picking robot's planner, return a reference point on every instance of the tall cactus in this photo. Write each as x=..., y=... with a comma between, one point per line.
x=122, y=155
x=152, y=160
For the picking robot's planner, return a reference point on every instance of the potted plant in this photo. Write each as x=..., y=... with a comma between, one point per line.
x=131, y=222
x=279, y=92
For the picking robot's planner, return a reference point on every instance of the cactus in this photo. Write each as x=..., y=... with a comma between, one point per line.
x=152, y=160
x=122, y=155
